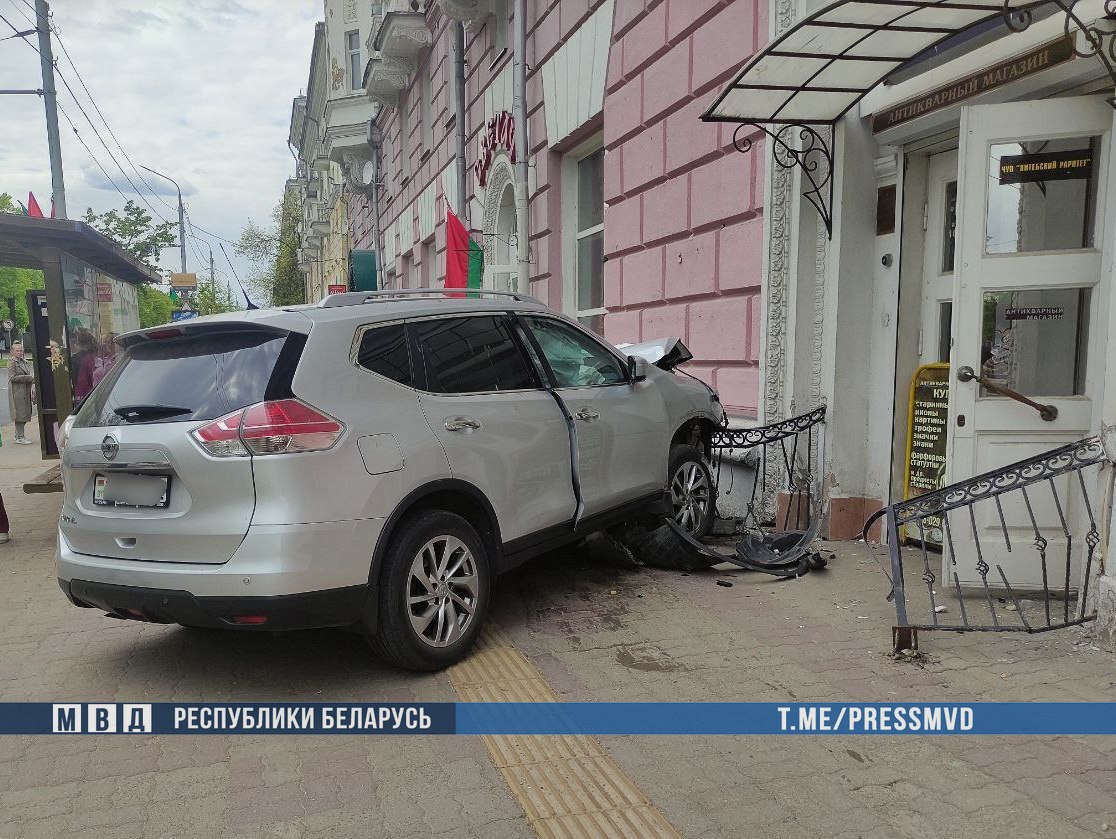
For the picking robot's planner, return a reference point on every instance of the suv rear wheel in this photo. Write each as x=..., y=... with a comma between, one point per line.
x=434, y=592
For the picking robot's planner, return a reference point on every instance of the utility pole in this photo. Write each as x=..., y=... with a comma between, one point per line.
x=181, y=215
x=50, y=102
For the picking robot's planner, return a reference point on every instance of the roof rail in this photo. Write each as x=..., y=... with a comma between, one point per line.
x=357, y=298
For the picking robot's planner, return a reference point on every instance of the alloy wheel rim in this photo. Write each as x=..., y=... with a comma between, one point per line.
x=442, y=591
x=690, y=496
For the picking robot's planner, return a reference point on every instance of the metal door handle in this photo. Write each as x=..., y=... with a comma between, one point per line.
x=462, y=424
x=1047, y=412
x=587, y=415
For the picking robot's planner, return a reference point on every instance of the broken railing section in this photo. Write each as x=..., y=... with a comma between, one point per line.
x=783, y=512
x=1048, y=541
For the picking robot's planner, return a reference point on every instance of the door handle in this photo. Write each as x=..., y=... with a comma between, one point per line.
x=587, y=415
x=1047, y=412
x=462, y=424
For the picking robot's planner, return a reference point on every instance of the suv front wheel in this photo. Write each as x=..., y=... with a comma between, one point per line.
x=434, y=592
x=693, y=494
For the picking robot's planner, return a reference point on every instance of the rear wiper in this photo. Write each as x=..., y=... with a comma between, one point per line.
x=131, y=413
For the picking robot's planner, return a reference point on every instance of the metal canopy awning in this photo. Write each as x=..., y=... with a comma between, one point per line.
x=23, y=241
x=820, y=68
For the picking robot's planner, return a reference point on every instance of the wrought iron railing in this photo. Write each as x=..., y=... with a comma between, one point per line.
x=964, y=528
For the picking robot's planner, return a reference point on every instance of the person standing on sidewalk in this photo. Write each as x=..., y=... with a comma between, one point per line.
x=20, y=381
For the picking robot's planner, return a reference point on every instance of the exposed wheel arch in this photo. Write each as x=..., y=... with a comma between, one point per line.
x=451, y=494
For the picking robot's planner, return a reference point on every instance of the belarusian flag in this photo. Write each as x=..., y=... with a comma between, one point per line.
x=464, y=257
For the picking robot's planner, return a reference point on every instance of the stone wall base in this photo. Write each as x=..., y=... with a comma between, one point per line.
x=847, y=517
x=1106, y=611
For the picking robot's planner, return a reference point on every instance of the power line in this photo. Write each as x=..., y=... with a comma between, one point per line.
x=20, y=33
x=90, y=152
x=97, y=108
x=30, y=20
x=251, y=305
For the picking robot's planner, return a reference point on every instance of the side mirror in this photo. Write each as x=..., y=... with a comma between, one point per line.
x=637, y=369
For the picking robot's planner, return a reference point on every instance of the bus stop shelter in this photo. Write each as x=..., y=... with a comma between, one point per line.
x=89, y=294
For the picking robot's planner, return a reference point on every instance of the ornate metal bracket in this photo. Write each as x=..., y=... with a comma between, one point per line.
x=1099, y=43
x=795, y=144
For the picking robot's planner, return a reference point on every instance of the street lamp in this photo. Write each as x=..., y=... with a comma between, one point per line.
x=181, y=215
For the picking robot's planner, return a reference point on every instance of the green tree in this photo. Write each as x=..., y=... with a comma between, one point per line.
x=14, y=285
x=134, y=230
x=155, y=307
x=8, y=204
x=272, y=250
x=211, y=299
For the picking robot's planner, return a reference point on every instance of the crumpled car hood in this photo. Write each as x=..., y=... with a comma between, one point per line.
x=665, y=353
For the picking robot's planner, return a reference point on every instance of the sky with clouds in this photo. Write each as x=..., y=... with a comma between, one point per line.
x=198, y=89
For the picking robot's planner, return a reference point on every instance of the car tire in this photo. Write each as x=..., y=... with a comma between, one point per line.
x=693, y=492
x=656, y=544
x=429, y=620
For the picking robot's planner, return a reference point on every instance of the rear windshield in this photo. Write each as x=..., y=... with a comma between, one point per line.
x=198, y=377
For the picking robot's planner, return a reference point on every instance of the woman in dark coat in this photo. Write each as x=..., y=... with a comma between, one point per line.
x=20, y=380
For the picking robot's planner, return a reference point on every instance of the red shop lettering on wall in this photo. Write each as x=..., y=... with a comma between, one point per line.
x=499, y=133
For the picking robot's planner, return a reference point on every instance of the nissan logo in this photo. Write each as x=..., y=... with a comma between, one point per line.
x=109, y=447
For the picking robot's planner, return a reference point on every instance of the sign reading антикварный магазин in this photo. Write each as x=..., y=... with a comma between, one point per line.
x=557, y=718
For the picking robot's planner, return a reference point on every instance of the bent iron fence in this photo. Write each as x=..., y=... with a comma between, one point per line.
x=786, y=498
x=1052, y=509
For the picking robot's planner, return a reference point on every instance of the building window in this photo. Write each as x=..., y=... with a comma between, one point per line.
x=588, y=301
x=356, y=71
x=405, y=137
x=499, y=29
x=428, y=104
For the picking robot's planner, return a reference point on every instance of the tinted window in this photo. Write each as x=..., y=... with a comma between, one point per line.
x=576, y=359
x=383, y=350
x=200, y=377
x=469, y=355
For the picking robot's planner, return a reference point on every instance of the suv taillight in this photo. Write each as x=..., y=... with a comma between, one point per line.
x=281, y=427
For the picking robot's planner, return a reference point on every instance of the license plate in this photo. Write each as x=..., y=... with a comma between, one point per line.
x=127, y=490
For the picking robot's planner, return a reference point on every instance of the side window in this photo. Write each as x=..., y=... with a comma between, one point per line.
x=576, y=359
x=383, y=350
x=471, y=355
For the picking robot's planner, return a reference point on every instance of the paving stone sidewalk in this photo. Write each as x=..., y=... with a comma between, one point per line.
x=596, y=631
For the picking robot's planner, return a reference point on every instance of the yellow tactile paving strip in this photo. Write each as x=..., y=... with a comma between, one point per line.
x=567, y=786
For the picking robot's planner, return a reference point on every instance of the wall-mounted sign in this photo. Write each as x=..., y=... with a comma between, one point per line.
x=927, y=425
x=990, y=78
x=104, y=291
x=183, y=314
x=499, y=133
x=338, y=289
x=1034, y=312
x=1046, y=166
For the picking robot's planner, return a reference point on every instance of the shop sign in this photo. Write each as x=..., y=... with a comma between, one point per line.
x=927, y=425
x=338, y=289
x=1034, y=312
x=499, y=133
x=1046, y=166
x=987, y=79
x=104, y=291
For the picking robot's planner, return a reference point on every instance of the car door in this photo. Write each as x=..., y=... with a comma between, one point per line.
x=622, y=428
x=501, y=431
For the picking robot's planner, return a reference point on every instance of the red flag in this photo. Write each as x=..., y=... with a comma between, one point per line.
x=33, y=208
x=464, y=257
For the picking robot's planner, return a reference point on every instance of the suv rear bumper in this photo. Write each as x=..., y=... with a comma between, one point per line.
x=332, y=607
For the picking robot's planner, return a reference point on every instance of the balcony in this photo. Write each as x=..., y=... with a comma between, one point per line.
x=321, y=224
x=385, y=78
x=401, y=36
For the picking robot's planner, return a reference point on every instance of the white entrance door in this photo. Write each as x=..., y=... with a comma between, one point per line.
x=939, y=258
x=1027, y=292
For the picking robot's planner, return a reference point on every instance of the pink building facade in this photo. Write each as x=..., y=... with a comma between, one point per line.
x=643, y=221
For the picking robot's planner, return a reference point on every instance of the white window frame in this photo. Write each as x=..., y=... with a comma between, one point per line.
x=356, y=72
x=427, y=104
x=571, y=235
x=405, y=135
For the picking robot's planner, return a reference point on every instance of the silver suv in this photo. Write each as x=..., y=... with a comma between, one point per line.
x=370, y=462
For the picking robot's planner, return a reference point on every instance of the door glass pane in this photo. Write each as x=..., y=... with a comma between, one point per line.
x=590, y=191
x=576, y=359
x=1035, y=341
x=471, y=355
x=945, y=319
x=1041, y=195
x=949, y=228
x=590, y=272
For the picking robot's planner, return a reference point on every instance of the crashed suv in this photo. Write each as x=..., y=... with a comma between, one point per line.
x=370, y=462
